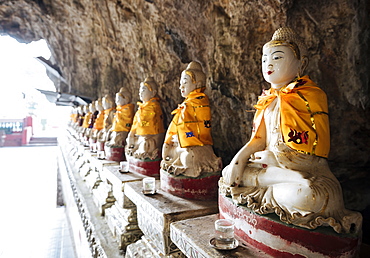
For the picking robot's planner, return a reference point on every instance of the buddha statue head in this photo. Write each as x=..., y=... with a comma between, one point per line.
x=86, y=109
x=284, y=58
x=99, y=104
x=92, y=107
x=80, y=110
x=148, y=89
x=123, y=97
x=192, y=78
x=107, y=102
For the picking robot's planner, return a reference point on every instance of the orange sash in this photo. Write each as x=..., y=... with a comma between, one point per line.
x=148, y=118
x=87, y=120
x=98, y=125
x=123, y=117
x=192, y=121
x=304, y=116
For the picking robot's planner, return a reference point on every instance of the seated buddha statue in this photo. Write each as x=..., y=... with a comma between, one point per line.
x=146, y=135
x=86, y=123
x=187, y=149
x=81, y=118
x=90, y=123
x=109, y=110
x=283, y=169
x=97, y=124
x=122, y=120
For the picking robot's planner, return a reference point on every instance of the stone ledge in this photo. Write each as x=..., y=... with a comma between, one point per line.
x=192, y=237
x=156, y=213
x=91, y=232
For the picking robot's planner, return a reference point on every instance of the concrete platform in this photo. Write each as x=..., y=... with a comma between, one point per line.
x=156, y=213
x=192, y=237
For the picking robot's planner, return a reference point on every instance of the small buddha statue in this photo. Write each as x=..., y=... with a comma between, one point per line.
x=86, y=123
x=122, y=120
x=283, y=169
x=146, y=135
x=109, y=110
x=97, y=125
x=187, y=149
x=93, y=116
x=81, y=118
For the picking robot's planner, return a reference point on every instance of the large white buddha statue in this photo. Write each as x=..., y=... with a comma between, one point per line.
x=283, y=169
x=188, y=143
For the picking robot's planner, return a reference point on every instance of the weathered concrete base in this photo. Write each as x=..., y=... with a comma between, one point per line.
x=144, y=167
x=115, y=153
x=122, y=216
x=192, y=237
x=202, y=188
x=123, y=225
x=270, y=235
x=156, y=212
x=146, y=248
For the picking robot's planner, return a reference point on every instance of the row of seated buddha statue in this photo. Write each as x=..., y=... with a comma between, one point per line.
x=283, y=169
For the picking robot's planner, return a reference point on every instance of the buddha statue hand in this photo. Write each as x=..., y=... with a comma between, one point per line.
x=263, y=159
x=232, y=174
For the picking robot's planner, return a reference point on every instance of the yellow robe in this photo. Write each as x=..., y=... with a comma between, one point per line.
x=98, y=125
x=87, y=120
x=123, y=117
x=304, y=116
x=192, y=121
x=148, y=118
x=106, y=117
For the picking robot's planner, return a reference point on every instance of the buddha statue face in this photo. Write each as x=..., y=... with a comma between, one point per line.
x=186, y=84
x=99, y=105
x=107, y=102
x=121, y=100
x=279, y=65
x=145, y=93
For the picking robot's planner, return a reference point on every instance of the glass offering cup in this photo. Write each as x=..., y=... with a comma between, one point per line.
x=123, y=166
x=224, y=229
x=149, y=185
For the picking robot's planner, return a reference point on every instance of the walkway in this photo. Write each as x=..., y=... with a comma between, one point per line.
x=31, y=224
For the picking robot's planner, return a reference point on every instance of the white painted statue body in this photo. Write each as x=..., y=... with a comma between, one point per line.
x=196, y=157
x=269, y=176
x=145, y=138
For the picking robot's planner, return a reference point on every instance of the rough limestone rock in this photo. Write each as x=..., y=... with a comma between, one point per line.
x=102, y=45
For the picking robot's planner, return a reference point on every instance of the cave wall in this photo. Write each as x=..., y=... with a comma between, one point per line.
x=102, y=45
